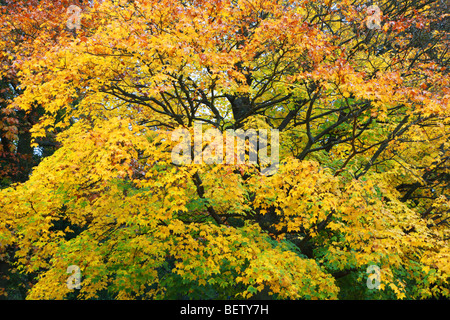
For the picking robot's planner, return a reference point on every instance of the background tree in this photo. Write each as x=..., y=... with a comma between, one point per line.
x=24, y=25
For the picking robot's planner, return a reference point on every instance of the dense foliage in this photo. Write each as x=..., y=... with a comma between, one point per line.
x=363, y=118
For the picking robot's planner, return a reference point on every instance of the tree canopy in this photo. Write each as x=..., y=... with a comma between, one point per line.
x=363, y=119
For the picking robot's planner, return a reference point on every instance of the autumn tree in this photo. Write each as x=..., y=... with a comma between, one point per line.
x=363, y=177
x=24, y=25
